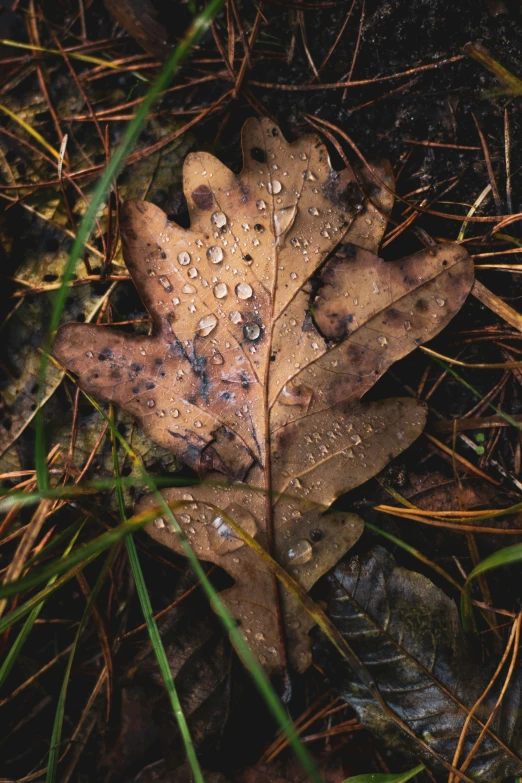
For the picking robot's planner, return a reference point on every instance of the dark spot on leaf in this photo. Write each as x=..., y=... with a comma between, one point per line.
x=421, y=305
x=203, y=197
x=247, y=257
x=258, y=154
x=136, y=367
x=259, y=227
x=316, y=534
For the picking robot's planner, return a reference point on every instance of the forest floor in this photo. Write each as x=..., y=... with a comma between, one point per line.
x=434, y=86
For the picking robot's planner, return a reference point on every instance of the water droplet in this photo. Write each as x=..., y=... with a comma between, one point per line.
x=235, y=316
x=313, y=211
x=440, y=302
x=300, y=553
x=175, y=301
x=274, y=187
x=159, y=523
x=165, y=283
x=251, y=331
x=175, y=413
x=272, y=650
x=197, y=424
x=220, y=290
x=293, y=275
x=260, y=204
x=188, y=289
x=355, y=439
x=219, y=219
x=382, y=340
x=303, y=156
x=217, y=358
x=376, y=289
x=150, y=403
x=243, y=290
x=192, y=272
x=89, y=354
x=184, y=258
x=215, y=254
x=407, y=326
x=207, y=324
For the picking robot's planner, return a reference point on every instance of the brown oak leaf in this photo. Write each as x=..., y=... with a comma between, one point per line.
x=261, y=352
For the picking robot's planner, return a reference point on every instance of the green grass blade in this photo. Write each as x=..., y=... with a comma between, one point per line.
x=132, y=131
x=399, y=777
x=17, y=614
x=161, y=657
x=20, y=640
x=451, y=371
x=152, y=628
x=56, y=736
x=504, y=557
x=249, y=660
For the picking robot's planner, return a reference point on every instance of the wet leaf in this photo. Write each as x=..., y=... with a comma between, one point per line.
x=407, y=634
x=261, y=354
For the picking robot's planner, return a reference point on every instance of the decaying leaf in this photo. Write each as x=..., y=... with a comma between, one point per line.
x=407, y=634
x=261, y=354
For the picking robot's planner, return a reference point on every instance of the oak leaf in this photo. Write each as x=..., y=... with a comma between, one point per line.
x=260, y=355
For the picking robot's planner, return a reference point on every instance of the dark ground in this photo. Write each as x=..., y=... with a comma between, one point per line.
x=440, y=106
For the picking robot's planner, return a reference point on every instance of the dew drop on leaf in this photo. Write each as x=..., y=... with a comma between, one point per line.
x=220, y=290
x=215, y=254
x=219, y=219
x=244, y=290
x=301, y=552
x=184, y=258
x=207, y=324
x=251, y=331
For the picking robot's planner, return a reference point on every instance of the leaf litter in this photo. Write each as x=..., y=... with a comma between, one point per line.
x=264, y=344
x=407, y=634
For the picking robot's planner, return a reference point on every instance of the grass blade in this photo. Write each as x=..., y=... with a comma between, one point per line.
x=182, y=50
x=152, y=628
x=20, y=640
x=399, y=777
x=54, y=751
